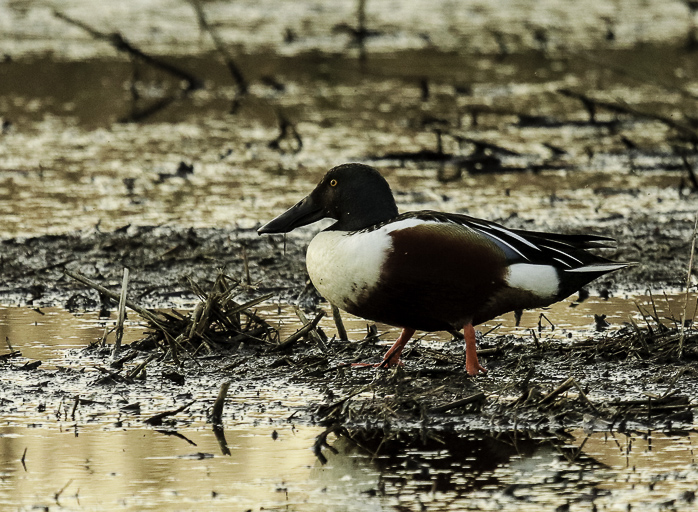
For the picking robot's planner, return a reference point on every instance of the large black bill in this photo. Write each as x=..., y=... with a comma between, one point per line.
x=302, y=213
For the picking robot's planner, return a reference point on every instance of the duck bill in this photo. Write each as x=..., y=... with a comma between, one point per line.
x=302, y=213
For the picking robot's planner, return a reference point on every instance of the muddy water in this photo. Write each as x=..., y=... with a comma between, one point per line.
x=140, y=469
x=271, y=467
x=110, y=461
x=66, y=163
x=45, y=334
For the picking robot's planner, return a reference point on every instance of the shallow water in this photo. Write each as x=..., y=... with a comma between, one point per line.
x=79, y=467
x=45, y=333
x=67, y=164
x=109, y=460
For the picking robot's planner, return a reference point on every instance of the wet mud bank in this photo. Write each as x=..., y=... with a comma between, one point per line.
x=643, y=375
x=427, y=430
x=165, y=260
x=638, y=377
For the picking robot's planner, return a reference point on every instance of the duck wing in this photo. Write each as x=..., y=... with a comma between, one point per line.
x=562, y=251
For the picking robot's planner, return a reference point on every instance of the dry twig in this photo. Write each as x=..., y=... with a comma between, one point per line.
x=217, y=411
x=688, y=286
x=122, y=315
x=157, y=419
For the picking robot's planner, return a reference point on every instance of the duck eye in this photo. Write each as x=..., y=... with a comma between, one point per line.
x=333, y=183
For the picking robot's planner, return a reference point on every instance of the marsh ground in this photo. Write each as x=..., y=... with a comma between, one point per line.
x=537, y=115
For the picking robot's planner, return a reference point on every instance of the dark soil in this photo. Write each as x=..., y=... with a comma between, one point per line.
x=163, y=260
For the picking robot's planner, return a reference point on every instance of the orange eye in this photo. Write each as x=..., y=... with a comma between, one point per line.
x=333, y=183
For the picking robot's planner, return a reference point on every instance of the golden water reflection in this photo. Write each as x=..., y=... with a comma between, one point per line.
x=104, y=469
x=142, y=469
x=565, y=320
x=44, y=334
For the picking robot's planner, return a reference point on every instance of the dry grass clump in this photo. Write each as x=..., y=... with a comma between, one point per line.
x=218, y=322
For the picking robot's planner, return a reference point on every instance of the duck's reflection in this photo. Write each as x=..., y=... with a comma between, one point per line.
x=455, y=464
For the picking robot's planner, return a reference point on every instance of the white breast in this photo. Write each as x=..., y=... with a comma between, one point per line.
x=342, y=266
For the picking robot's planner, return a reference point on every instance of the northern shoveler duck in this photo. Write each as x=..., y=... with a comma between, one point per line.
x=426, y=270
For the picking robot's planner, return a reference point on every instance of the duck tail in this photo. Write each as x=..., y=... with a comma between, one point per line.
x=570, y=241
x=580, y=276
x=599, y=268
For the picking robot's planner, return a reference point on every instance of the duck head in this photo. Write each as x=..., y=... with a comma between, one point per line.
x=355, y=195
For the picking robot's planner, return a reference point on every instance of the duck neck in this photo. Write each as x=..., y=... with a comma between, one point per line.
x=363, y=215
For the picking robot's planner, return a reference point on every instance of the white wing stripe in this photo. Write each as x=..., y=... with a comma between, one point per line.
x=490, y=235
x=600, y=267
x=487, y=231
x=562, y=262
x=563, y=253
x=515, y=236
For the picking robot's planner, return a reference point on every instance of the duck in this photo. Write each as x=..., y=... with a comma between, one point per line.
x=428, y=270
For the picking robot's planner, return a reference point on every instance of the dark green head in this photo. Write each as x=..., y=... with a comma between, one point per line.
x=355, y=195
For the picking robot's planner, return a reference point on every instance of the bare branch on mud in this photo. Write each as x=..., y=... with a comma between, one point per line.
x=148, y=315
x=341, y=330
x=287, y=130
x=118, y=42
x=314, y=334
x=557, y=391
x=477, y=397
x=233, y=68
x=691, y=173
x=303, y=331
x=591, y=104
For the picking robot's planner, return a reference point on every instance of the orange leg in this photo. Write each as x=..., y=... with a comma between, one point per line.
x=472, y=366
x=392, y=356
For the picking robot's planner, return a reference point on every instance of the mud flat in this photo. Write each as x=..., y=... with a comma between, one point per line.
x=158, y=136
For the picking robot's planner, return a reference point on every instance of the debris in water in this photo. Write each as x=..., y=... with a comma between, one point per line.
x=157, y=419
